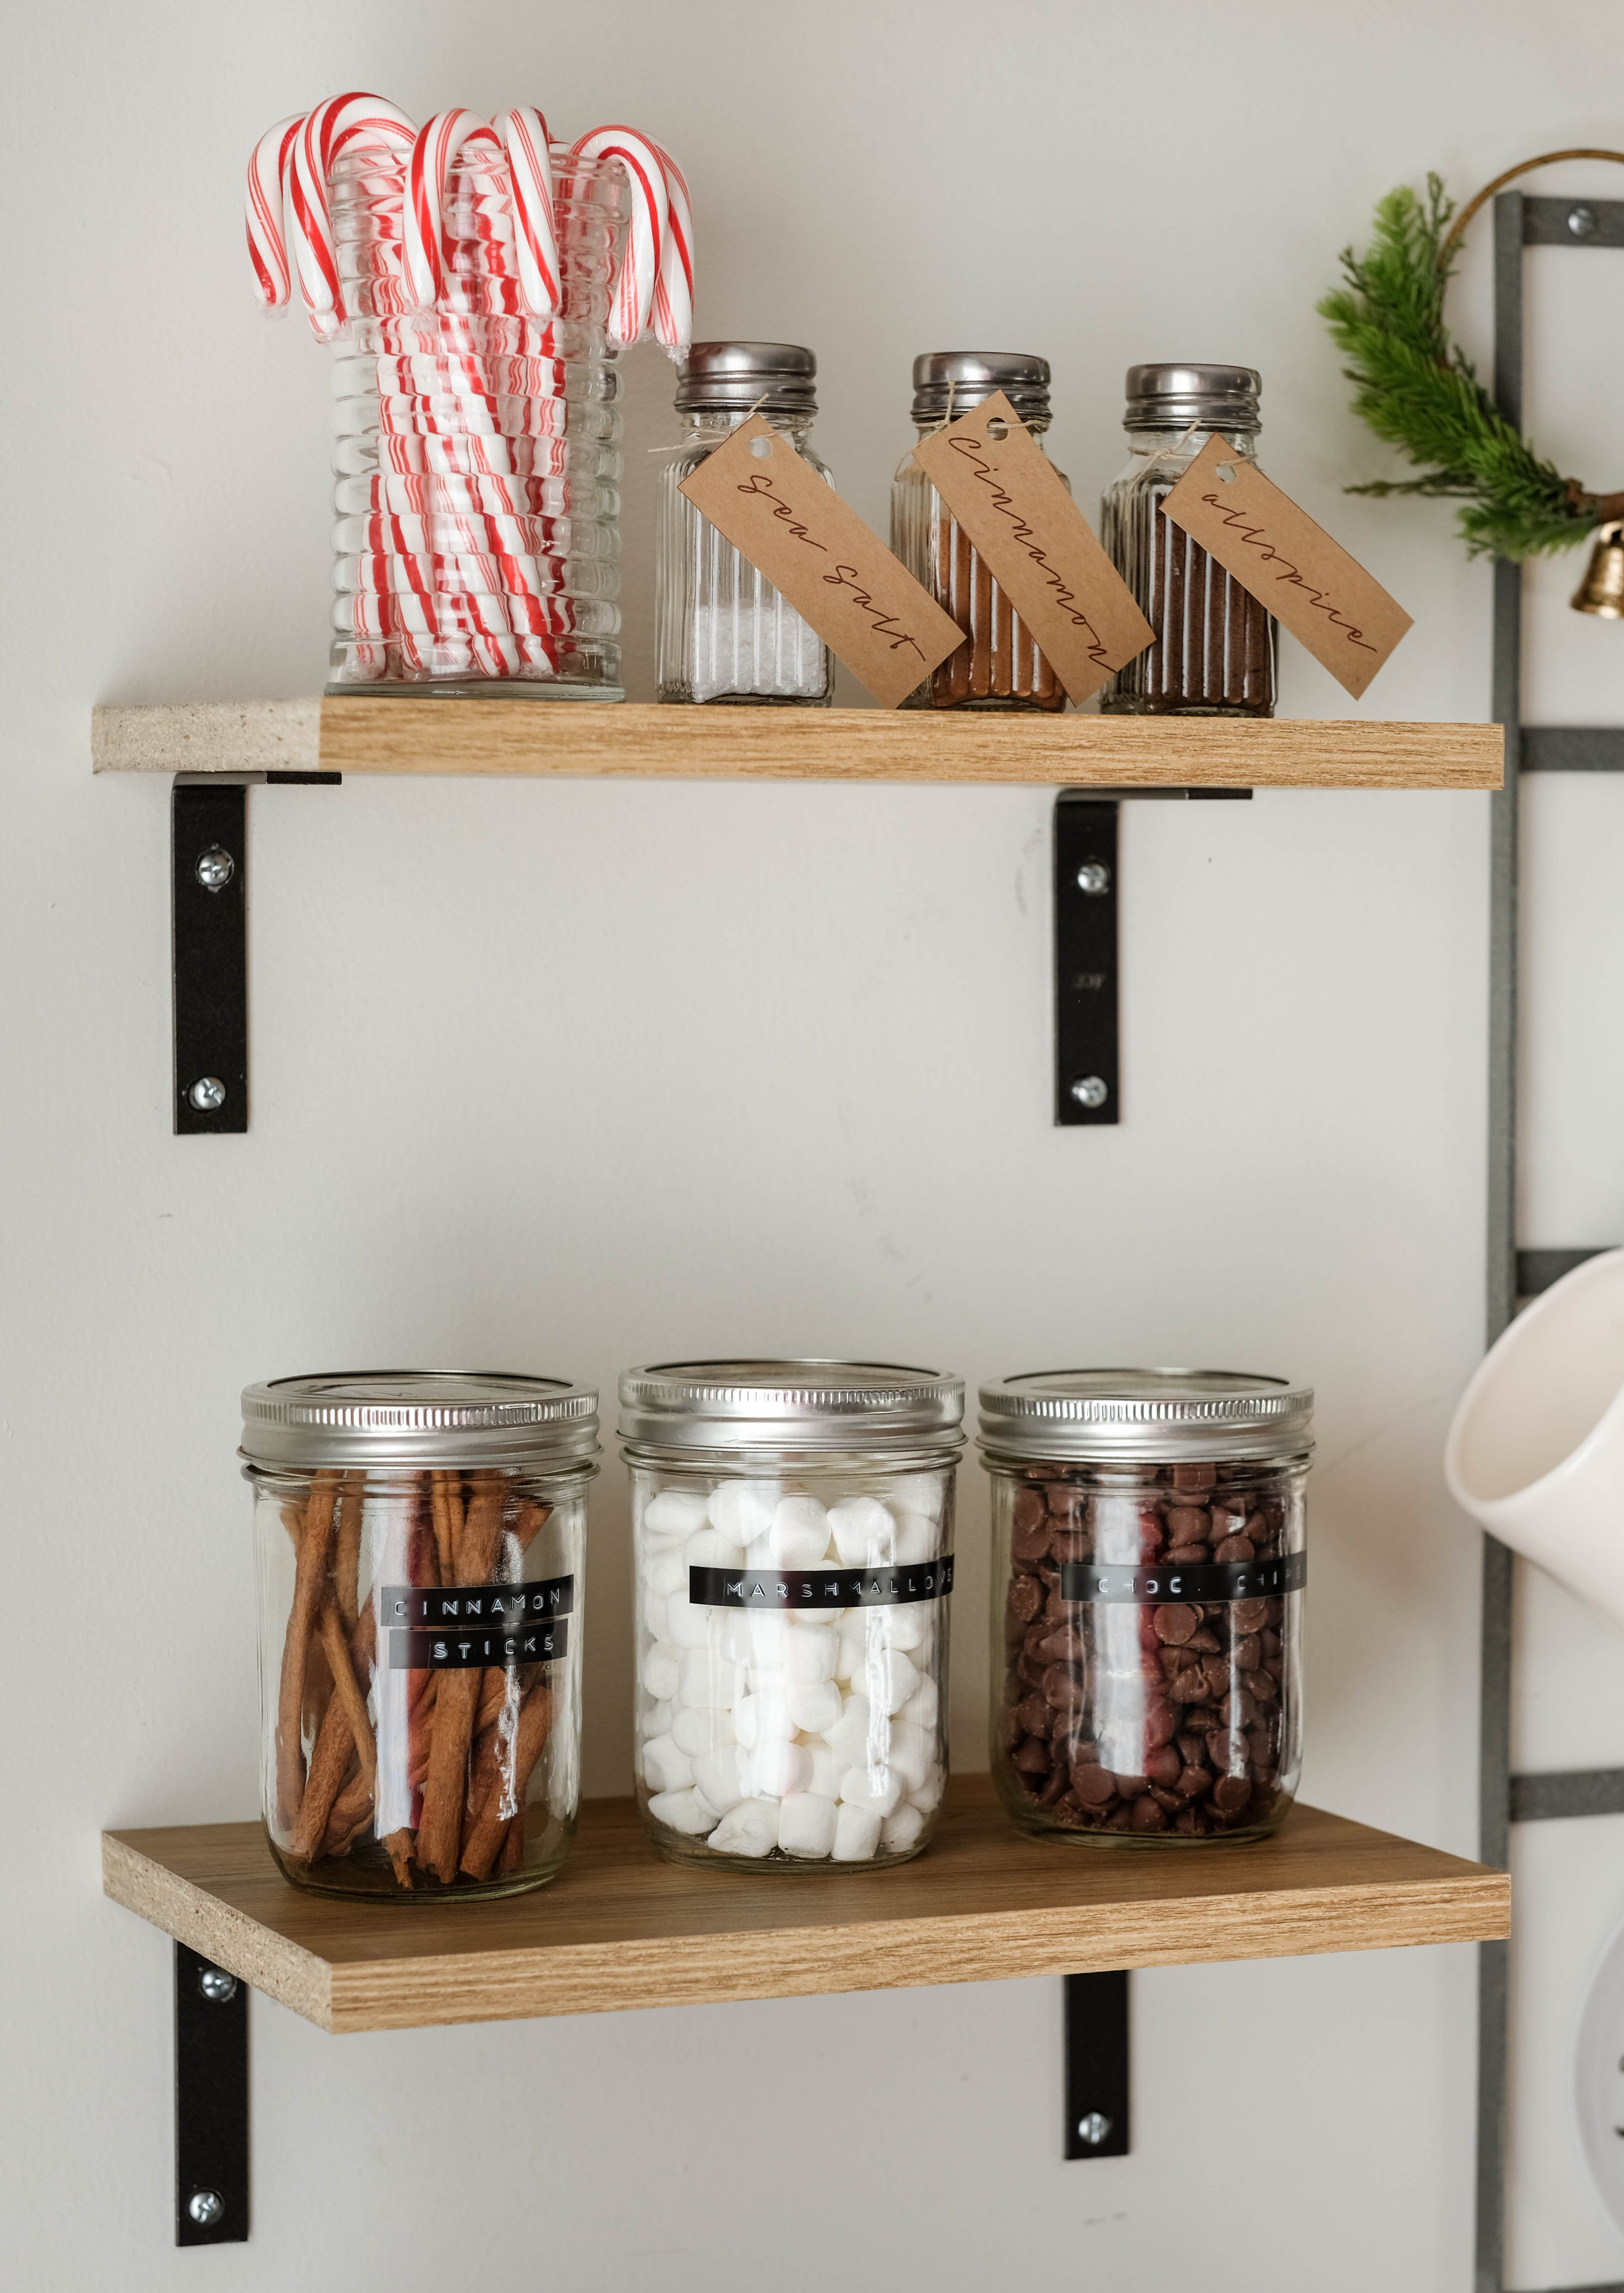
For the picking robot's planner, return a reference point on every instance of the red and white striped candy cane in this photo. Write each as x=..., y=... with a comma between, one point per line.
x=267, y=202
x=639, y=265
x=674, y=287
x=524, y=139
x=438, y=143
x=338, y=124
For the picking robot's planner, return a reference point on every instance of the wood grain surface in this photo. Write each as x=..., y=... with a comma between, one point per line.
x=622, y=1928
x=595, y=739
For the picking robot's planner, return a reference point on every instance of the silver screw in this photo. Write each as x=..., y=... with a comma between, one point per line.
x=1582, y=223
x=216, y=868
x=1092, y=2129
x=217, y=1985
x=206, y=2206
x=1090, y=1090
x=1093, y=876
x=206, y=1094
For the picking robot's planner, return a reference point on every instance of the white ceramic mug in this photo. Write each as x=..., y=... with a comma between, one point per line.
x=1535, y=1450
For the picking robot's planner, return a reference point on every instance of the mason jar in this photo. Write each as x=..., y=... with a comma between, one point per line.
x=419, y=1541
x=1148, y=1574
x=998, y=666
x=1214, y=648
x=792, y=1530
x=723, y=631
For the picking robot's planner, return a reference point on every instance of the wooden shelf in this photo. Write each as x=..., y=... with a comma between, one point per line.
x=593, y=740
x=622, y=1928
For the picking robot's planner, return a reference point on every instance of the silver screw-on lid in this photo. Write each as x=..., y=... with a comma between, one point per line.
x=973, y=375
x=1172, y=397
x=727, y=377
x=790, y=1405
x=1157, y=1416
x=418, y=1418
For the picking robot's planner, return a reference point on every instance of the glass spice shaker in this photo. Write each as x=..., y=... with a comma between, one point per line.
x=792, y=1533
x=1213, y=654
x=1148, y=1574
x=1000, y=667
x=419, y=1541
x=723, y=631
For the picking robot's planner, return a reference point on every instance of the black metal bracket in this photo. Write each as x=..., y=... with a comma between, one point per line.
x=1087, y=1062
x=211, y=2102
x=208, y=851
x=1097, y=2065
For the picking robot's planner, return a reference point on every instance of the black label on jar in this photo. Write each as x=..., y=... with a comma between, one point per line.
x=415, y=1649
x=820, y=1588
x=1232, y=1580
x=484, y=1605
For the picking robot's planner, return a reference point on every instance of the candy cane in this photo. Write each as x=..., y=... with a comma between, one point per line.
x=524, y=139
x=428, y=245
x=634, y=280
x=674, y=287
x=268, y=172
x=342, y=121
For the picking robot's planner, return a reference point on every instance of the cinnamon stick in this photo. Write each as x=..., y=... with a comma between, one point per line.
x=400, y=1845
x=344, y=1728
x=439, y=1512
x=440, y=1826
x=351, y=1815
x=346, y=1556
x=310, y=1573
x=502, y=1799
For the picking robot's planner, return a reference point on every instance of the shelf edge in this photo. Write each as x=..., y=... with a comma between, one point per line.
x=208, y=736
x=255, y=1954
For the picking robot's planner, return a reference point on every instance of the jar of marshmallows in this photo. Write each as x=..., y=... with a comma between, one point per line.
x=792, y=1525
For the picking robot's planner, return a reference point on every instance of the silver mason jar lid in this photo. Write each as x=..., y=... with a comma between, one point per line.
x=727, y=377
x=418, y=1417
x=791, y=1405
x=974, y=375
x=1172, y=397
x=1150, y=1416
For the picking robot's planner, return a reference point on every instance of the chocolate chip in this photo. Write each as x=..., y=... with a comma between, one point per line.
x=1067, y=1502
x=1031, y=1542
x=1032, y=1757
x=1192, y=1822
x=1247, y=1652
x=1094, y=1787
x=1195, y=1478
x=1235, y=1548
x=1204, y=1643
x=1032, y=1713
x=1029, y=1507
x=1054, y=1789
x=1187, y=1556
x=1231, y=1793
x=1148, y=1817
x=1176, y=1622
x=1164, y=1766
x=1186, y=1528
x=1067, y=1543
x=1026, y=1599
x=1063, y=1688
x=1193, y=1781
x=1248, y=1616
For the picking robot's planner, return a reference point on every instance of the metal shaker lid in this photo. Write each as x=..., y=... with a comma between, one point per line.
x=973, y=375
x=1170, y=397
x=728, y=377
x=1153, y=1416
x=418, y=1418
x=791, y=1405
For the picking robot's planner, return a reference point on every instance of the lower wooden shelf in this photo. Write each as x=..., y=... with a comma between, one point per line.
x=622, y=1928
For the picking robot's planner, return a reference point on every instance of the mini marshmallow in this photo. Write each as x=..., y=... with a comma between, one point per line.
x=761, y=1716
x=750, y=1828
x=853, y=1654
x=806, y=1825
x=809, y=1654
x=901, y=1831
x=707, y=1548
x=696, y=1730
x=913, y=1754
x=863, y=1530
x=768, y=1636
x=732, y=1634
x=827, y=1770
x=922, y=1708
x=690, y=1627
x=777, y=1768
x=665, y=1769
x=907, y=1627
x=928, y=1798
x=890, y=1678
x=856, y=1833
x=658, y=1670
x=799, y=1537
x=681, y=1811
x=654, y=1615
x=674, y=1512
x=916, y=1539
x=920, y=1493
x=759, y=1553
x=721, y=1778
x=664, y=1572
x=743, y=1509
x=878, y=1790
x=850, y=1737
x=658, y=1719
x=704, y=1676
x=815, y=1706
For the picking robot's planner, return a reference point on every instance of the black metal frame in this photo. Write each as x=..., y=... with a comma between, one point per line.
x=211, y=2102
x=1097, y=2065
x=1506, y=1798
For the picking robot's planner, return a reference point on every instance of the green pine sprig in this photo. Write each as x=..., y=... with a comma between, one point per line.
x=1420, y=393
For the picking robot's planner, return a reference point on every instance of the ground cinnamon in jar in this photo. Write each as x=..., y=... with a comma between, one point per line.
x=999, y=666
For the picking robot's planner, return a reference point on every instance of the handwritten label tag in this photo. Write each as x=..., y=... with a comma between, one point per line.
x=838, y=576
x=1013, y=503
x=1274, y=549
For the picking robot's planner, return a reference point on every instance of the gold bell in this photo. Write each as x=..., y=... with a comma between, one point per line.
x=1601, y=590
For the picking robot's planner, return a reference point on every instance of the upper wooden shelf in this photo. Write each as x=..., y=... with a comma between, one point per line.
x=594, y=740
x=619, y=1927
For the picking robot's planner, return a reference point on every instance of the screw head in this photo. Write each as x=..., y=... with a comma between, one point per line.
x=207, y=1094
x=1090, y=1090
x=1582, y=223
x=1093, y=876
x=216, y=868
x=206, y=2206
x=1093, y=2128
x=217, y=1985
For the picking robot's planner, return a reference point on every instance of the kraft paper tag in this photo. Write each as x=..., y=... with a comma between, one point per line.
x=867, y=608
x=1288, y=563
x=1013, y=503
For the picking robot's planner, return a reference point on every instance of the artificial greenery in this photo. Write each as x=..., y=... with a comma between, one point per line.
x=1419, y=391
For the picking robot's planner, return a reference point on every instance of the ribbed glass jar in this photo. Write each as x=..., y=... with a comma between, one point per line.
x=1215, y=649
x=419, y=1542
x=792, y=1532
x=724, y=632
x=1147, y=1572
x=476, y=450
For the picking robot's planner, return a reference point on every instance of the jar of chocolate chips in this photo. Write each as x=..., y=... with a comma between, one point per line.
x=1213, y=654
x=1148, y=1573
x=998, y=666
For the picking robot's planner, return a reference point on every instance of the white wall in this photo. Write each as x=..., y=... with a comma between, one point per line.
x=566, y=1076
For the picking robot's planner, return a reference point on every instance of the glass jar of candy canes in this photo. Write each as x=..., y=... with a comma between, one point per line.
x=419, y=1541
x=476, y=448
x=792, y=1525
x=1148, y=1574
x=724, y=633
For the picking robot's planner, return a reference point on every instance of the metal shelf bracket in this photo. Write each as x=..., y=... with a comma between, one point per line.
x=211, y=2102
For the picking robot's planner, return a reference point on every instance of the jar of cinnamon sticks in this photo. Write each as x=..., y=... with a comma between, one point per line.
x=419, y=1541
